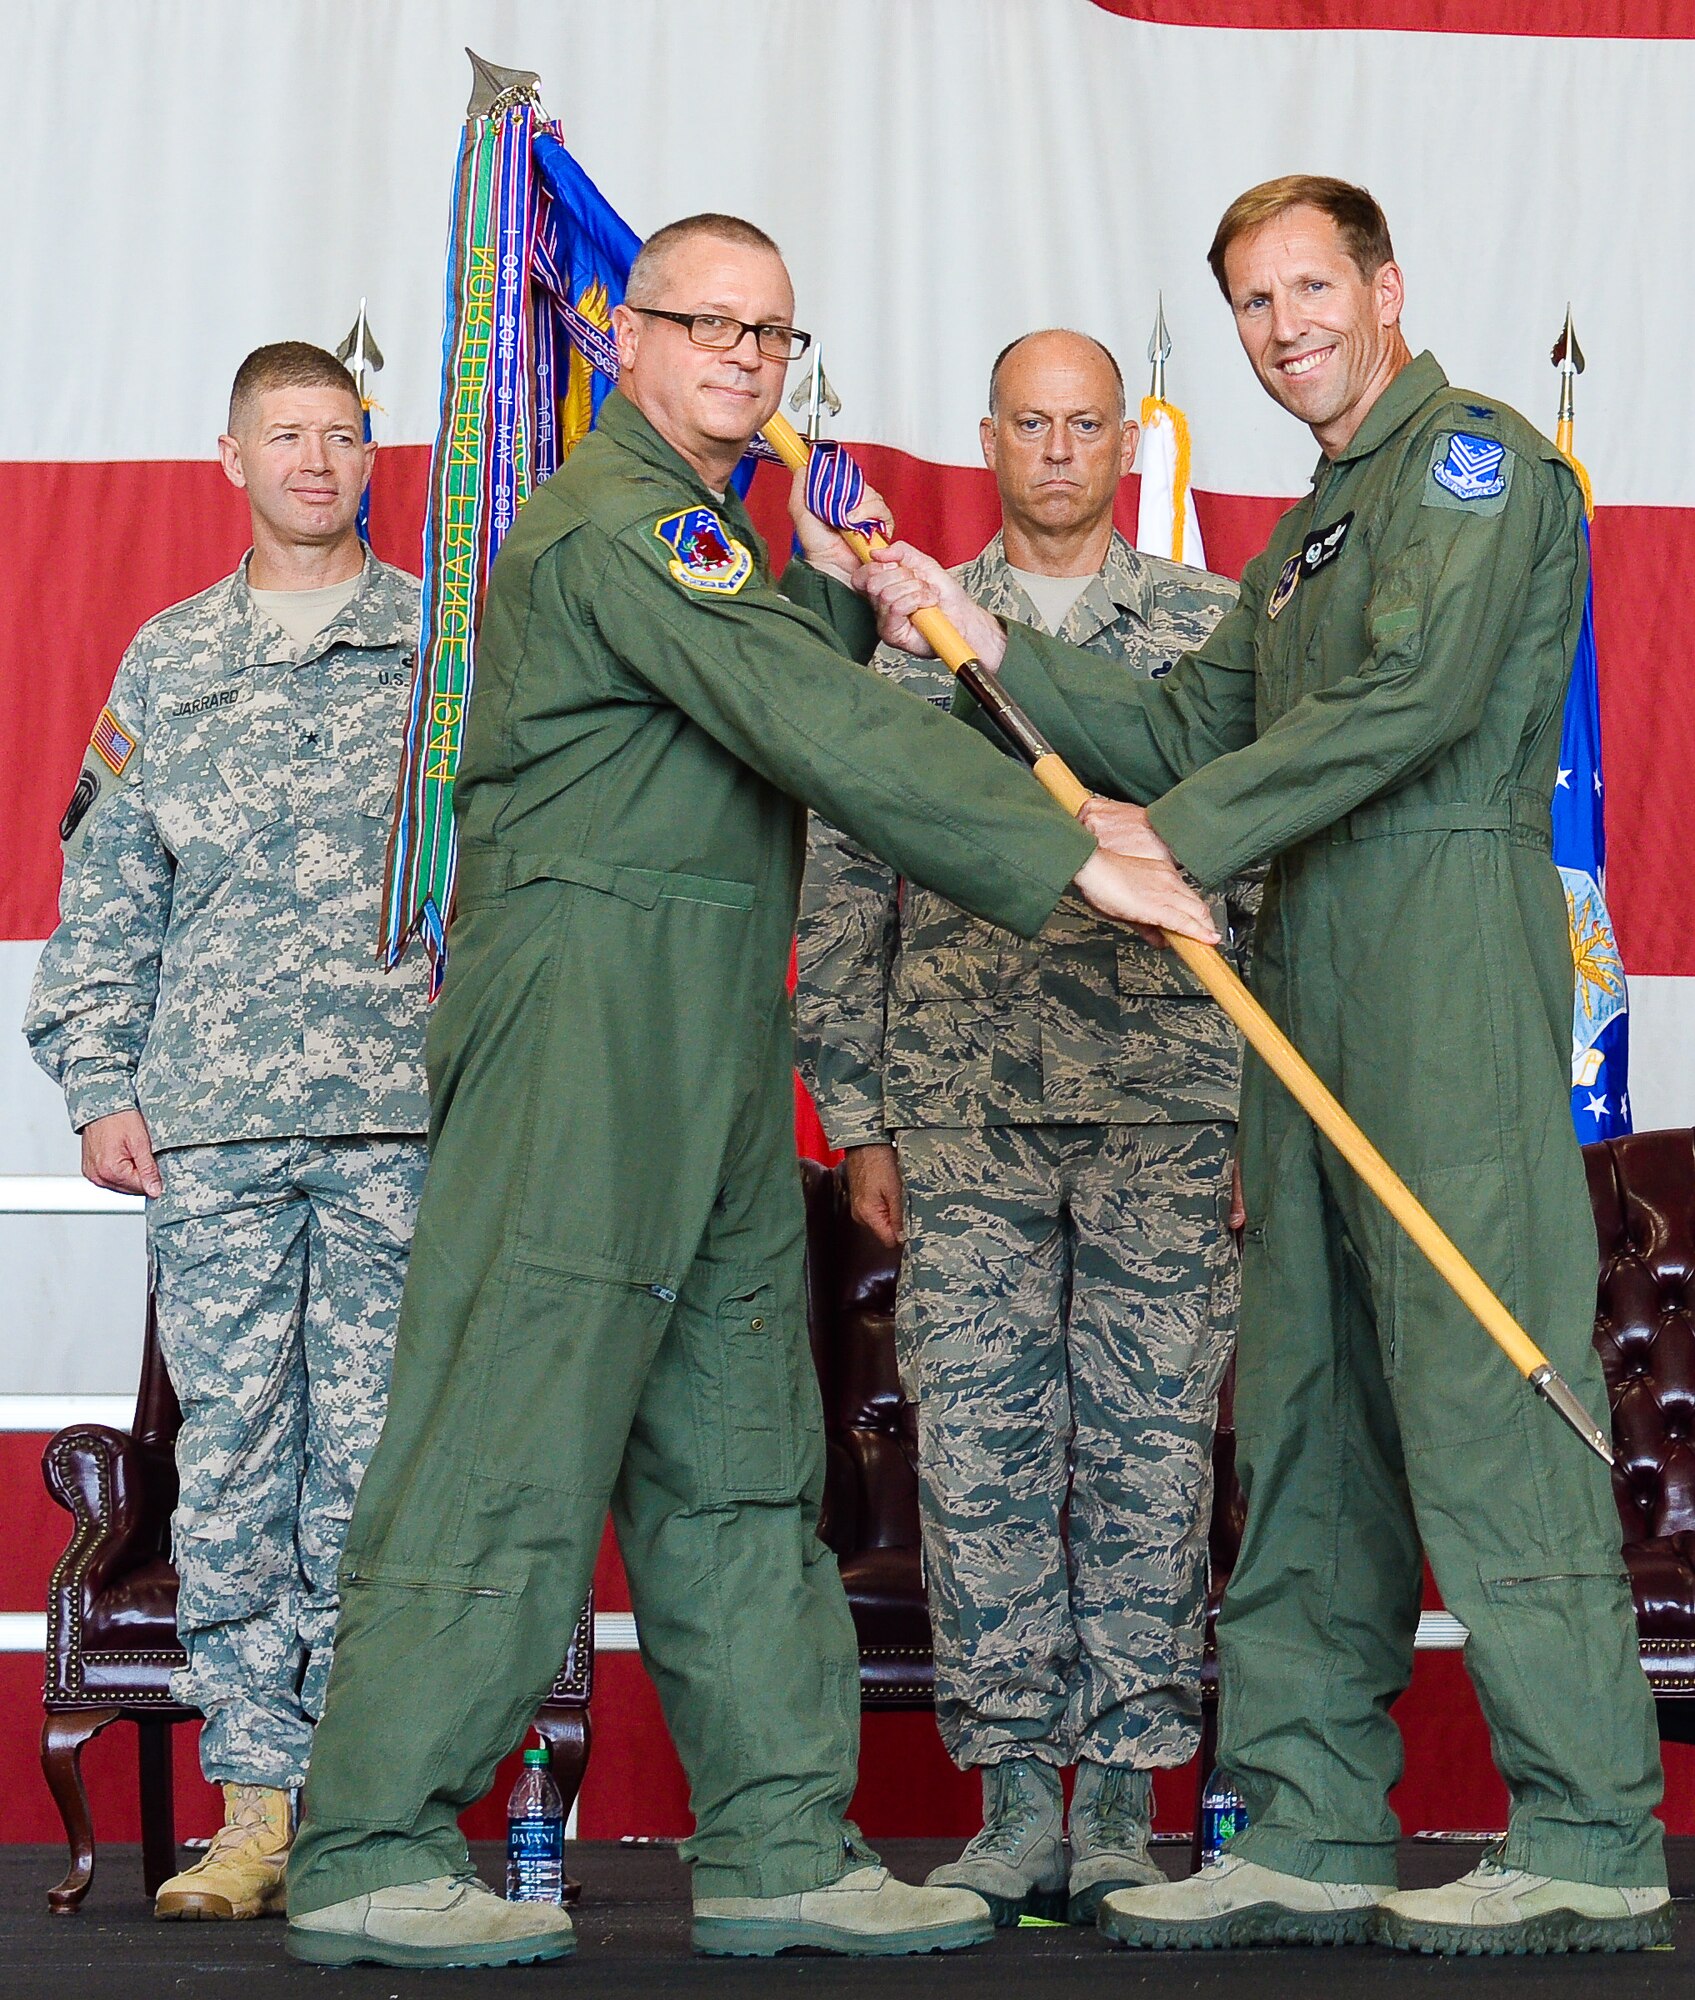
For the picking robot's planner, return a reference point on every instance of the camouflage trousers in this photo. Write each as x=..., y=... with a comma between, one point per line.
x=277, y=1268
x=1065, y=1314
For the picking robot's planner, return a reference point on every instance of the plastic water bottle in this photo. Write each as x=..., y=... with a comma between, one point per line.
x=1224, y=1813
x=535, y=1835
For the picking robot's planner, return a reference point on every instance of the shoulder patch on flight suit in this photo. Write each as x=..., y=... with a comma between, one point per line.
x=705, y=556
x=1473, y=474
x=113, y=742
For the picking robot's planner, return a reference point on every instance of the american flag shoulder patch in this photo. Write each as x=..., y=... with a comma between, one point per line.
x=112, y=742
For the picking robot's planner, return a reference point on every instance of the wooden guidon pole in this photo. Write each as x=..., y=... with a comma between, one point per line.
x=1258, y=1028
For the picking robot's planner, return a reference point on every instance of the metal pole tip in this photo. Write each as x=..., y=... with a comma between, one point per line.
x=1554, y=1390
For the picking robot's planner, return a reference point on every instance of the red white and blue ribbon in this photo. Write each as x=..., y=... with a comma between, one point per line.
x=835, y=489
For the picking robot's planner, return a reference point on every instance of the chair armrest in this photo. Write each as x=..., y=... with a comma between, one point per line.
x=100, y=1476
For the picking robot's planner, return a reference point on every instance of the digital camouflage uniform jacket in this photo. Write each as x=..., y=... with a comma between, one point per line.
x=912, y=1014
x=215, y=961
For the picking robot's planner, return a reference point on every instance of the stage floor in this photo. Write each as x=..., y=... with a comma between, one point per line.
x=633, y=1942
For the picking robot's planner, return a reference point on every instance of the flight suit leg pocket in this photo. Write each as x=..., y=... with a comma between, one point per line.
x=1450, y=1383
x=749, y=1404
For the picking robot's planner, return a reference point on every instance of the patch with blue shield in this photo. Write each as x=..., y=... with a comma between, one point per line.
x=705, y=556
x=1469, y=472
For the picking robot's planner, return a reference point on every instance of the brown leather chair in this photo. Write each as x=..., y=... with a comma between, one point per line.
x=1642, y=1190
x=112, y=1631
x=871, y=1439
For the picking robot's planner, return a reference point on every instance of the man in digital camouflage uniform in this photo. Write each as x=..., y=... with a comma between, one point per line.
x=1050, y=1126
x=606, y=1301
x=1381, y=714
x=229, y=1047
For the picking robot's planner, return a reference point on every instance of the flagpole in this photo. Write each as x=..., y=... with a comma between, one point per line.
x=1261, y=1032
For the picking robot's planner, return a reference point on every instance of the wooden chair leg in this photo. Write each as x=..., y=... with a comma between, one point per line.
x=62, y=1736
x=158, y=1804
x=568, y=1734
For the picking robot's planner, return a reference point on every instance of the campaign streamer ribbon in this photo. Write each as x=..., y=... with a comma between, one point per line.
x=421, y=856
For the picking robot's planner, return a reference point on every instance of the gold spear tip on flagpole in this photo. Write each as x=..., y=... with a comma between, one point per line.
x=1567, y=357
x=1159, y=350
x=359, y=352
x=490, y=83
x=1554, y=1390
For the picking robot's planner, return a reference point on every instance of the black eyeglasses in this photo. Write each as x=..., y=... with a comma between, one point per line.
x=775, y=341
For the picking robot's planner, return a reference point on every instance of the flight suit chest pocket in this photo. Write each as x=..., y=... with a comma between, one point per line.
x=749, y=1404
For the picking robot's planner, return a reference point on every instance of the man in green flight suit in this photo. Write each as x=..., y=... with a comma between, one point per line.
x=1380, y=716
x=605, y=1302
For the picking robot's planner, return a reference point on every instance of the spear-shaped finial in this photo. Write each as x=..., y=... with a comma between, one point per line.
x=815, y=396
x=360, y=354
x=1567, y=357
x=1159, y=348
x=494, y=89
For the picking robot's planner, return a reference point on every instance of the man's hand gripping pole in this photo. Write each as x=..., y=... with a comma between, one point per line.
x=1261, y=1032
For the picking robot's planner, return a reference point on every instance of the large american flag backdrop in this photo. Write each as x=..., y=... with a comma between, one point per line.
x=187, y=180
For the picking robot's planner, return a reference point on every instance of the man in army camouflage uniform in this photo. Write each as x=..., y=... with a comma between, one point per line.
x=228, y=1047
x=1052, y=1124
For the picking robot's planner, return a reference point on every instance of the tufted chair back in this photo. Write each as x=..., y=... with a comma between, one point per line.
x=871, y=1490
x=1642, y=1190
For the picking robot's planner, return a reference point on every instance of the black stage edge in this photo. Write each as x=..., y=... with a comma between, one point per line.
x=633, y=1928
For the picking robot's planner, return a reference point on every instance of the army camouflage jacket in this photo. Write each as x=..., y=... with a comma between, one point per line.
x=215, y=961
x=911, y=1013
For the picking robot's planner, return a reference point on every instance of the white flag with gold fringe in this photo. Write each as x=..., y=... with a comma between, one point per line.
x=1165, y=518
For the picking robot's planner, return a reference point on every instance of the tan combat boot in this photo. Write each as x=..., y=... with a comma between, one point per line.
x=448, y=1920
x=867, y=1914
x=241, y=1873
x=1234, y=1902
x=1501, y=1911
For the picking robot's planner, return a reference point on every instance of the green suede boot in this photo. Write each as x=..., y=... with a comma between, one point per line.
x=1111, y=1818
x=1017, y=1863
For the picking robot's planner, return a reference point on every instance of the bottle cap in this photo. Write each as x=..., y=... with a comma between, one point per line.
x=536, y=1756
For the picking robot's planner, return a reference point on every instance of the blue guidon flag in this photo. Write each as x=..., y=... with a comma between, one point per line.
x=1600, y=1083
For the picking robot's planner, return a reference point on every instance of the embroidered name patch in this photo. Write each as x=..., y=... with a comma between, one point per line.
x=113, y=742
x=1324, y=545
x=202, y=703
x=704, y=554
x=1472, y=468
x=1285, y=588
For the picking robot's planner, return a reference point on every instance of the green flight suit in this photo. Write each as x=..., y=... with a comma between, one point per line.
x=1381, y=714
x=606, y=1297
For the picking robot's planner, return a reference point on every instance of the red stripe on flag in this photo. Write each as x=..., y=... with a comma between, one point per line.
x=95, y=549
x=91, y=552
x=1644, y=558
x=1598, y=20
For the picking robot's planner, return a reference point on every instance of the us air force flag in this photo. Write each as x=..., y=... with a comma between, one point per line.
x=1600, y=1096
